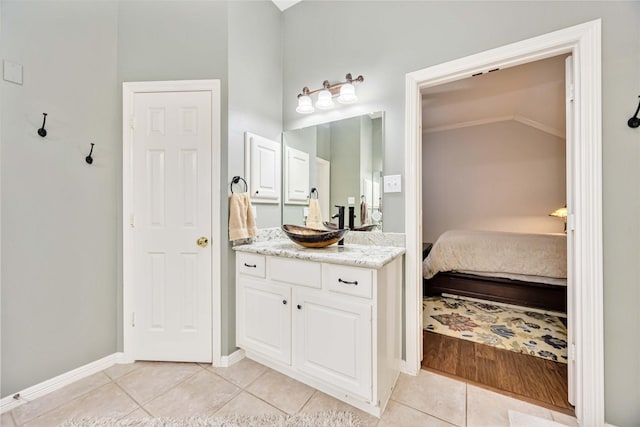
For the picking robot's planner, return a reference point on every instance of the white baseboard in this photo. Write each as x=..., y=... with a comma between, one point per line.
x=39, y=390
x=232, y=359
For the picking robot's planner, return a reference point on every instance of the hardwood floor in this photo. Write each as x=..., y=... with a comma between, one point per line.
x=525, y=377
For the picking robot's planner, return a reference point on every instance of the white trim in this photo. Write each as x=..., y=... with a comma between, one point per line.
x=53, y=384
x=232, y=359
x=584, y=43
x=128, y=91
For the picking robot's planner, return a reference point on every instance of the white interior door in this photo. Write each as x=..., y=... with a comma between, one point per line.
x=171, y=221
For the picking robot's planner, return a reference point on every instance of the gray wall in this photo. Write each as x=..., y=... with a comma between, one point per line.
x=61, y=218
x=58, y=213
x=385, y=40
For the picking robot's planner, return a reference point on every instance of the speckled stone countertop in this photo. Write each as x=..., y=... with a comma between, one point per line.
x=368, y=256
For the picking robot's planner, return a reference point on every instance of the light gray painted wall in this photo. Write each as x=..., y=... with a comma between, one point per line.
x=255, y=105
x=503, y=176
x=409, y=36
x=58, y=212
x=255, y=85
x=345, y=164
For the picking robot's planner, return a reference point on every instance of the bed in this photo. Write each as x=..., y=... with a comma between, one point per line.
x=522, y=269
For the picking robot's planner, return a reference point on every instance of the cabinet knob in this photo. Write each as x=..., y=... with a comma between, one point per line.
x=284, y=301
x=299, y=307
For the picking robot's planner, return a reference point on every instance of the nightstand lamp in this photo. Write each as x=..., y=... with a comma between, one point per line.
x=561, y=213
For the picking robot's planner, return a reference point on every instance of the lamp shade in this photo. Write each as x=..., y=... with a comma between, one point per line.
x=324, y=100
x=304, y=105
x=347, y=94
x=560, y=212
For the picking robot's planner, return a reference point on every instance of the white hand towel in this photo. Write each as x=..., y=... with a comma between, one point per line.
x=242, y=224
x=314, y=216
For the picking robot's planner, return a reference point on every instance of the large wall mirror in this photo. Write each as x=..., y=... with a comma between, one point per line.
x=343, y=160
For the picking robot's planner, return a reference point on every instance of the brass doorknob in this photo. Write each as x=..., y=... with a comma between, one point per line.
x=203, y=242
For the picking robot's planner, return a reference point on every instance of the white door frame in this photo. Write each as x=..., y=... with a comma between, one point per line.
x=129, y=89
x=585, y=216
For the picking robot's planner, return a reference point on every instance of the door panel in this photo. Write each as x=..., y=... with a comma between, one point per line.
x=172, y=210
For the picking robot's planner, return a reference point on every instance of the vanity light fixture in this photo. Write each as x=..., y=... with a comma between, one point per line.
x=345, y=91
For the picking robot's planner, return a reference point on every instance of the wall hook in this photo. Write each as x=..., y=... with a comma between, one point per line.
x=634, y=121
x=42, y=131
x=89, y=159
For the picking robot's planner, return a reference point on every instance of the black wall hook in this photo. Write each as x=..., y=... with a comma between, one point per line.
x=42, y=131
x=634, y=121
x=89, y=159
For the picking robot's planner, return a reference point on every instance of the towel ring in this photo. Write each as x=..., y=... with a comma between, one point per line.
x=314, y=190
x=235, y=180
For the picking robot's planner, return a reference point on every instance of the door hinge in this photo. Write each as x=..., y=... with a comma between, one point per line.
x=133, y=319
x=571, y=222
x=570, y=93
x=132, y=219
x=132, y=122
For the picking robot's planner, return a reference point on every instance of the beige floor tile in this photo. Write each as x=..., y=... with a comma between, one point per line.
x=154, y=378
x=55, y=399
x=488, y=409
x=242, y=373
x=564, y=419
x=281, y=391
x=106, y=401
x=433, y=394
x=120, y=369
x=248, y=405
x=320, y=402
x=137, y=414
x=397, y=415
x=200, y=395
x=6, y=420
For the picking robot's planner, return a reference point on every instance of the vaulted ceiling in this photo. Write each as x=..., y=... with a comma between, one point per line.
x=533, y=94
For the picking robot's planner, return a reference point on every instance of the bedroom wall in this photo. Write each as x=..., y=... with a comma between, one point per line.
x=334, y=38
x=504, y=176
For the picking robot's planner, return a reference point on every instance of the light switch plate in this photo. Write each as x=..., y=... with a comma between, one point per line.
x=392, y=183
x=351, y=200
x=12, y=72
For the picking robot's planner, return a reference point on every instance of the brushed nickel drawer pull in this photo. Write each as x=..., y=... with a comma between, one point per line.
x=250, y=265
x=346, y=282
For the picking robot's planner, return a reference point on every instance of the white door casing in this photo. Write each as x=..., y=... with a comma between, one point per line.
x=585, y=217
x=323, y=185
x=171, y=200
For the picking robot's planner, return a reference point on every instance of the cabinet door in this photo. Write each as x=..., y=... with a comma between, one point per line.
x=332, y=341
x=262, y=166
x=264, y=318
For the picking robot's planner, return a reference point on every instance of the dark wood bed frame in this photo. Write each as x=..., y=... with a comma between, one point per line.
x=516, y=292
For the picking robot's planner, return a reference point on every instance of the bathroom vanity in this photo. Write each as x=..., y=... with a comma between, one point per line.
x=330, y=318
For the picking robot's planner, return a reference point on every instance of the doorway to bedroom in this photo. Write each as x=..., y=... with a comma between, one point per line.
x=494, y=169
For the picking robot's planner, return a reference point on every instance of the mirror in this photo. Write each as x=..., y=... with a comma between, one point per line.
x=343, y=160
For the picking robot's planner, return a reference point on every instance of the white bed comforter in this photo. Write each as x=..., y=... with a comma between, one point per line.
x=533, y=257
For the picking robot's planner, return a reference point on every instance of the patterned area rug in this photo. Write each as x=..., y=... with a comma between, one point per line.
x=508, y=328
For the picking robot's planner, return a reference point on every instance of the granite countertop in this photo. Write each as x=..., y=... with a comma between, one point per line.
x=369, y=256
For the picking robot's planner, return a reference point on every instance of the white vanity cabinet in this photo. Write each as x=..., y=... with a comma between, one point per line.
x=334, y=327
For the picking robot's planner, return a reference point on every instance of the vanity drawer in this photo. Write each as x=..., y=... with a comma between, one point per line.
x=349, y=280
x=296, y=272
x=251, y=265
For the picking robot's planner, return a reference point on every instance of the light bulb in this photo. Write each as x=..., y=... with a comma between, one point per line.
x=304, y=105
x=347, y=94
x=325, y=100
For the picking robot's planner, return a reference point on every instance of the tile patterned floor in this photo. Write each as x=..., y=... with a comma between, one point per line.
x=157, y=389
